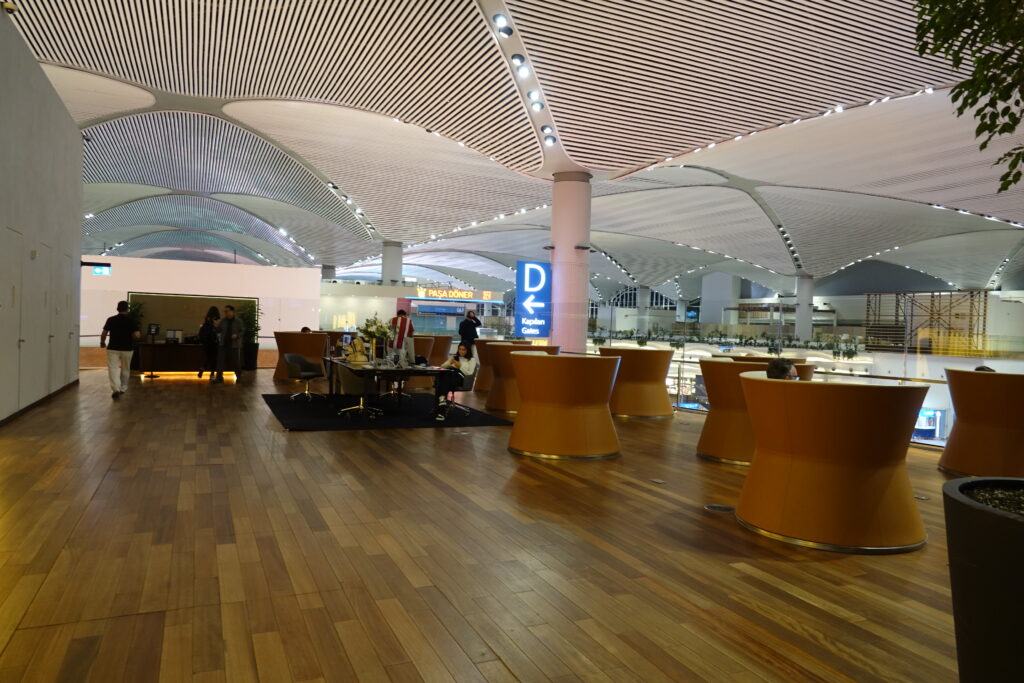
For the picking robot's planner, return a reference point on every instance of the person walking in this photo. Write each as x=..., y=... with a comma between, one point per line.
x=229, y=350
x=467, y=329
x=122, y=331
x=208, y=338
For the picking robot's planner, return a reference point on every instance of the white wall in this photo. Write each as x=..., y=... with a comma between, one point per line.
x=719, y=291
x=289, y=297
x=40, y=230
x=345, y=306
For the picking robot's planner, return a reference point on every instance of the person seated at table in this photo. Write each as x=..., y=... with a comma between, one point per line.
x=781, y=368
x=458, y=367
x=983, y=368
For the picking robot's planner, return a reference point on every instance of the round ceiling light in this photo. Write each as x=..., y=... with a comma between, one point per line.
x=500, y=20
x=549, y=140
x=547, y=130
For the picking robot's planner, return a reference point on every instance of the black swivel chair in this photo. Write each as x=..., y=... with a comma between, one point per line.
x=303, y=369
x=467, y=385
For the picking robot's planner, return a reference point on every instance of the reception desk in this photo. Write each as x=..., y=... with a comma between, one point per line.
x=169, y=357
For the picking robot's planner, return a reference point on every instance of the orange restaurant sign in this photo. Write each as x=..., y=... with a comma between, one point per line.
x=450, y=294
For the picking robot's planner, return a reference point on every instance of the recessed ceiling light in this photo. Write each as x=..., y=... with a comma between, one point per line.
x=283, y=231
x=547, y=130
x=549, y=140
x=505, y=31
x=533, y=95
x=523, y=71
x=500, y=20
x=518, y=59
x=537, y=106
x=90, y=215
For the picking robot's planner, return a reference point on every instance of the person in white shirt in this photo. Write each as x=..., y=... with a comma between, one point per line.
x=459, y=366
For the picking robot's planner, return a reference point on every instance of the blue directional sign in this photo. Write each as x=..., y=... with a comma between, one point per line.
x=533, y=299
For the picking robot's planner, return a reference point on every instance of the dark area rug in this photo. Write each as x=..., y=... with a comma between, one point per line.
x=321, y=414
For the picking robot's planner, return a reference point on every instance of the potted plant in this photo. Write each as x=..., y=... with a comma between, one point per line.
x=985, y=539
x=376, y=331
x=641, y=340
x=599, y=341
x=249, y=314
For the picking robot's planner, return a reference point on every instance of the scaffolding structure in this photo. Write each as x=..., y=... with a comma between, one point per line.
x=942, y=323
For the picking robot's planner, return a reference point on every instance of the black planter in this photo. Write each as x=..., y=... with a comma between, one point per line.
x=986, y=571
x=250, y=355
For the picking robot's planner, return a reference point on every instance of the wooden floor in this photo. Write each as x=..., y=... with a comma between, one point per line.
x=180, y=534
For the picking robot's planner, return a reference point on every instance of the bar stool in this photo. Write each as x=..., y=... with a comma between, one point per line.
x=829, y=470
x=563, y=412
x=640, y=389
x=988, y=436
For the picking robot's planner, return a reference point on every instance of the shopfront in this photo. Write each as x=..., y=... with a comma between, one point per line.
x=436, y=310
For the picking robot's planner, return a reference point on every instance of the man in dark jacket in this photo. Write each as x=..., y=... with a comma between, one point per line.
x=467, y=329
x=231, y=329
x=123, y=332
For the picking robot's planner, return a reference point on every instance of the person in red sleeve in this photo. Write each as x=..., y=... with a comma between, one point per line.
x=401, y=343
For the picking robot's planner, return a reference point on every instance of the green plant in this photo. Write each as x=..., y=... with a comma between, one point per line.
x=599, y=341
x=375, y=328
x=677, y=343
x=986, y=36
x=249, y=314
x=136, y=313
x=641, y=340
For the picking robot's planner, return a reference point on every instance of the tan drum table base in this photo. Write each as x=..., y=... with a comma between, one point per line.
x=563, y=407
x=726, y=435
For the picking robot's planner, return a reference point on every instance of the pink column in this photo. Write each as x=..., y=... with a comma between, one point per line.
x=570, y=269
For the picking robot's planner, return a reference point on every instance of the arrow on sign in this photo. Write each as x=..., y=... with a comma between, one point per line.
x=531, y=303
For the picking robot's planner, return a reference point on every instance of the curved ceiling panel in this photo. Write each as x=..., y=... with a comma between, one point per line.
x=104, y=241
x=910, y=148
x=966, y=261
x=832, y=229
x=632, y=82
x=97, y=197
x=88, y=96
x=190, y=246
x=432, y=62
x=204, y=154
x=411, y=183
x=331, y=244
x=193, y=213
x=444, y=260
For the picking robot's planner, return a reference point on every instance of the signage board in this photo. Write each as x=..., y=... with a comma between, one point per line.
x=457, y=294
x=533, y=299
x=101, y=270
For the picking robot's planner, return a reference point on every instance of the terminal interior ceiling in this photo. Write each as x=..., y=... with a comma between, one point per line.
x=760, y=139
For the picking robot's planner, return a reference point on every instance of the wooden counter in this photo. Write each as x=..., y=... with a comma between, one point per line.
x=169, y=357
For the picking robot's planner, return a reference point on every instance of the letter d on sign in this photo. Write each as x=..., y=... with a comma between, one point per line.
x=534, y=278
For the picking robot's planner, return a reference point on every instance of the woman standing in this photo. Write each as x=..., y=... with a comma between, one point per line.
x=467, y=329
x=208, y=338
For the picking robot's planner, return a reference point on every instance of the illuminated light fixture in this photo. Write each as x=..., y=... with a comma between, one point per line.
x=500, y=20
x=839, y=109
x=283, y=232
x=359, y=212
x=964, y=212
x=523, y=71
x=473, y=224
x=549, y=140
x=712, y=145
x=537, y=106
x=461, y=143
x=292, y=240
x=533, y=95
x=90, y=215
x=738, y=137
x=396, y=120
x=332, y=185
x=434, y=132
x=547, y=130
x=929, y=90
x=697, y=150
x=348, y=201
x=886, y=98
x=872, y=103
x=505, y=31
x=518, y=60
x=797, y=121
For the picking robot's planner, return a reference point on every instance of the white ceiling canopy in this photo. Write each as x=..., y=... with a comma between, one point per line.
x=192, y=245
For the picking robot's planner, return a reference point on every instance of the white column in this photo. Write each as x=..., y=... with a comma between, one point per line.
x=391, y=263
x=570, y=228
x=719, y=291
x=804, y=307
x=643, y=309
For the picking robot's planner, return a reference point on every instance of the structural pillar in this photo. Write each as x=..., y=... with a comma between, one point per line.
x=391, y=264
x=719, y=291
x=643, y=309
x=570, y=260
x=328, y=272
x=804, y=308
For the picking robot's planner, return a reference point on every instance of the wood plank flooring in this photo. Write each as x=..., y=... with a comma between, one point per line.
x=179, y=534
